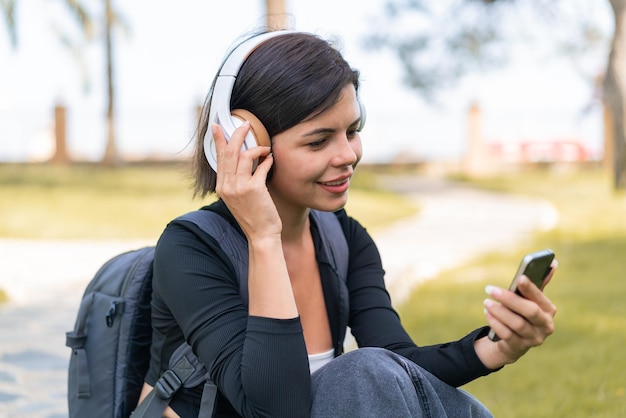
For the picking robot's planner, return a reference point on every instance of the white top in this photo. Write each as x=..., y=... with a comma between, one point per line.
x=318, y=360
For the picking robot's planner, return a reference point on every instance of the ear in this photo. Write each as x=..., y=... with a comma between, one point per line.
x=259, y=132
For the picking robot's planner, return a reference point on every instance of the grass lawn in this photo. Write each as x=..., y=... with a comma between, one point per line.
x=135, y=201
x=580, y=370
x=92, y=202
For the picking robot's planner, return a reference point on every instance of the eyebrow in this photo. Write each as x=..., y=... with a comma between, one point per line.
x=329, y=130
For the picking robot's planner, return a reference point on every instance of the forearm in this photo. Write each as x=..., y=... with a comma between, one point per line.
x=455, y=363
x=269, y=287
x=274, y=369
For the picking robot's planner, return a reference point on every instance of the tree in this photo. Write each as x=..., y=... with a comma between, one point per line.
x=8, y=10
x=439, y=42
x=86, y=22
x=614, y=92
x=111, y=155
x=276, y=14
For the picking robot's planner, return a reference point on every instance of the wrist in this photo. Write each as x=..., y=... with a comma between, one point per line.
x=490, y=354
x=265, y=244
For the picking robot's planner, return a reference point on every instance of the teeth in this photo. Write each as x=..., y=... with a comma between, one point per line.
x=335, y=183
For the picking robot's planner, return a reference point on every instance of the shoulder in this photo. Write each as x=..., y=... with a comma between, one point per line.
x=183, y=236
x=185, y=252
x=199, y=222
x=352, y=229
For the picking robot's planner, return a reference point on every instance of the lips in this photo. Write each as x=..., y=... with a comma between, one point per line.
x=335, y=182
x=336, y=186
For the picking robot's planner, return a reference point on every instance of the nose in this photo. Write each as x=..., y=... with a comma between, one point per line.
x=348, y=152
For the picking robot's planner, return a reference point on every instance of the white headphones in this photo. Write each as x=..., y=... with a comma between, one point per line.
x=229, y=120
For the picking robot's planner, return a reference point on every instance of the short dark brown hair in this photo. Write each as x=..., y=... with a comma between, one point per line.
x=285, y=80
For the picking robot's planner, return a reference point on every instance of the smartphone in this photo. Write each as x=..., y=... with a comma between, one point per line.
x=536, y=266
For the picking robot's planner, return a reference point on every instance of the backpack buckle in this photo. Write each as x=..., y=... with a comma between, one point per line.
x=74, y=340
x=167, y=385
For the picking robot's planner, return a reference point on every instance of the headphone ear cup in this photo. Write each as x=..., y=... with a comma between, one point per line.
x=257, y=129
x=363, y=115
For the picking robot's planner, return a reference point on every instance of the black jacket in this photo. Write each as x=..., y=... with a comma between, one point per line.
x=260, y=365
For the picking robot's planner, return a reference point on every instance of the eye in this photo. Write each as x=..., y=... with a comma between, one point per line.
x=317, y=144
x=351, y=133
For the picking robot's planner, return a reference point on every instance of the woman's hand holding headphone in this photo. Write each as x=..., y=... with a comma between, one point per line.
x=244, y=191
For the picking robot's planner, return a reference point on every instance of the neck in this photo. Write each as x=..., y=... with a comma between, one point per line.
x=295, y=222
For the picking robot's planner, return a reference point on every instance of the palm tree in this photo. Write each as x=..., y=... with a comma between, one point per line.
x=276, y=14
x=87, y=23
x=8, y=12
x=111, y=156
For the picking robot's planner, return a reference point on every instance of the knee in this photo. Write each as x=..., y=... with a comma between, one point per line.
x=366, y=362
x=363, y=357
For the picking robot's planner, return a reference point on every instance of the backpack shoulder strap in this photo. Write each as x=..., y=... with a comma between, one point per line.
x=184, y=367
x=232, y=243
x=332, y=234
x=184, y=370
x=336, y=246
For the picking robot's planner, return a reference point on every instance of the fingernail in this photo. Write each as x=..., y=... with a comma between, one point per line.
x=491, y=290
x=488, y=304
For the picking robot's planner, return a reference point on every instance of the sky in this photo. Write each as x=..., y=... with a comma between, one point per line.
x=167, y=58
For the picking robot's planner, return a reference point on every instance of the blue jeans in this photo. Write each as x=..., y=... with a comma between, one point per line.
x=374, y=382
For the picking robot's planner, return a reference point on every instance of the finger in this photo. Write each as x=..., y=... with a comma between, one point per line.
x=228, y=155
x=502, y=331
x=264, y=165
x=527, y=288
x=218, y=137
x=553, y=267
x=512, y=306
x=247, y=159
x=526, y=318
x=239, y=135
x=533, y=293
x=504, y=321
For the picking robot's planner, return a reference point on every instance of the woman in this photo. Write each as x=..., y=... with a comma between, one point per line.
x=282, y=354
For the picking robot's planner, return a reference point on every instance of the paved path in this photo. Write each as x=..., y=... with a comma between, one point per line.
x=454, y=225
x=45, y=279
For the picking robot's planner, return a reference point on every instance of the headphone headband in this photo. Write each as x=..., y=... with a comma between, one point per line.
x=220, y=112
x=238, y=56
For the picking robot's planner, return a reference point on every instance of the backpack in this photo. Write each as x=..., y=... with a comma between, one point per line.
x=112, y=334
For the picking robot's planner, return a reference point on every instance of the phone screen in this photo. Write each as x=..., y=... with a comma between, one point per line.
x=536, y=266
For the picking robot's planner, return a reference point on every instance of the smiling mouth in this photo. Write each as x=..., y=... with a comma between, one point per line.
x=336, y=182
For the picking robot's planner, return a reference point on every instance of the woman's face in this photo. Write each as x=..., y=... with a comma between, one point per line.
x=314, y=160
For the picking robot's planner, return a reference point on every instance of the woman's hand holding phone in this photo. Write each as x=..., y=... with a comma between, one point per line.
x=522, y=317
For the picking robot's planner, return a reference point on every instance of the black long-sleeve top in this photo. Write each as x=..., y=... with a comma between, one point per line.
x=260, y=365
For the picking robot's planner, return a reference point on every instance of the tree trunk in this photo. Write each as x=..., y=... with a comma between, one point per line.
x=614, y=92
x=111, y=156
x=60, y=135
x=276, y=14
